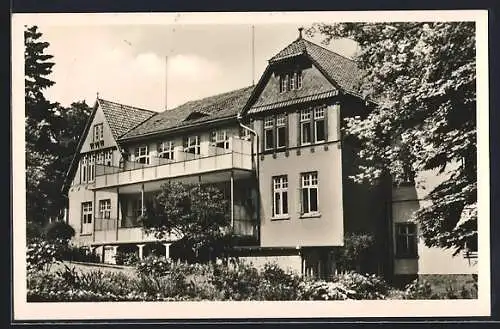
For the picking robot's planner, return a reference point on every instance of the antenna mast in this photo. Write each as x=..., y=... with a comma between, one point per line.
x=166, y=82
x=253, y=55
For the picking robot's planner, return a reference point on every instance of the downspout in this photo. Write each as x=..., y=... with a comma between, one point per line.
x=257, y=167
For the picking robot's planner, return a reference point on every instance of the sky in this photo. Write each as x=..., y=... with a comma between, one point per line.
x=126, y=63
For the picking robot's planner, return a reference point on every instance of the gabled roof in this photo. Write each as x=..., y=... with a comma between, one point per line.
x=121, y=118
x=342, y=70
x=216, y=107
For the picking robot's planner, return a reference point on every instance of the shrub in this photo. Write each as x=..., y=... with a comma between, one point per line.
x=126, y=258
x=34, y=231
x=41, y=255
x=322, y=290
x=356, y=245
x=59, y=231
x=78, y=254
x=419, y=290
x=239, y=282
x=277, y=284
x=154, y=265
x=363, y=286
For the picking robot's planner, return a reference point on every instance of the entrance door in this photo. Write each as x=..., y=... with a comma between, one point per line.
x=87, y=225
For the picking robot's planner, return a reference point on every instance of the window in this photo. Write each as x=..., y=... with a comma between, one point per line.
x=108, y=158
x=298, y=79
x=283, y=83
x=312, y=126
x=305, y=127
x=105, y=209
x=91, y=168
x=220, y=138
x=142, y=154
x=319, y=124
x=99, y=158
x=268, y=133
x=244, y=133
x=280, y=196
x=86, y=217
x=83, y=170
x=406, y=240
x=98, y=132
x=309, y=192
x=137, y=207
x=281, y=131
x=290, y=81
x=166, y=150
x=192, y=144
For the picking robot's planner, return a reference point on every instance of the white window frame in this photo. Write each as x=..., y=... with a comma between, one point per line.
x=91, y=168
x=105, y=209
x=280, y=188
x=319, y=118
x=268, y=126
x=98, y=132
x=108, y=158
x=309, y=182
x=283, y=83
x=291, y=81
x=99, y=158
x=193, y=143
x=142, y=154
x=166, y=150
x=83, y=169
x=87, y=215
x=281, y=124
x=305, y=119
x=298, y=79
x=220, y=138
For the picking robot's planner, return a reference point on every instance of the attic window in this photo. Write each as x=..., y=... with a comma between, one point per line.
x=290, y=81
x=195, y=115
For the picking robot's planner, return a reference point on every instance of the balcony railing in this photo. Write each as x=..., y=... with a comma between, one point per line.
x=184, y=164
x=130, y=231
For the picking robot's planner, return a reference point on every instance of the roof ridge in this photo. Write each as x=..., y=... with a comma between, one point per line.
x=132, y=106
x=208, y=97
x=329, y=50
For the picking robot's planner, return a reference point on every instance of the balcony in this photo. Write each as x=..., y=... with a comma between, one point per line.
x=184, y=164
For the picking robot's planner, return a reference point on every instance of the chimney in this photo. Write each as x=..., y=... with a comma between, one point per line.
x=300, y=32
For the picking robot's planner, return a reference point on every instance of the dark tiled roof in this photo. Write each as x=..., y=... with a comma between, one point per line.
x=121, y=118
x=342, y=70
x=214, y=107
x=262, y=108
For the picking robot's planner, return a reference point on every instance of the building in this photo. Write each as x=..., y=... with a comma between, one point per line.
x=277, y=151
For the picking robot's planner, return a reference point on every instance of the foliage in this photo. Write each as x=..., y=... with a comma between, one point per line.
x=356, y=245
x=195, y=282
x=34, y=231
x=423, y=77
x=78, y=254
x=198, y=214
x=126, y=258
x=154, y=266
x=59, y=230
x=40, y=255
x=51, y=130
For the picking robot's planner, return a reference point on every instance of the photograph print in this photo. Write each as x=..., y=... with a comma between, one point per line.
x=225, y=159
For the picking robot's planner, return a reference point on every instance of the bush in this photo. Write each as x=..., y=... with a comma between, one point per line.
x=126, y=258
x=154, y=265
x=79, y=254
x=363, y=286
x=41, y=255
x=239, y=282
x=356, y=245
x=277, y=284
x=423, y=289
x=322, y=290
x=59, y=231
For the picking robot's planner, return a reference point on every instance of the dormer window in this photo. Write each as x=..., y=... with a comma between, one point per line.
x=98, y=132
x=166, y=150
x=290, y=81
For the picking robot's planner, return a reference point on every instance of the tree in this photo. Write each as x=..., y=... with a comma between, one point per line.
x=59, y=231
x=52, y=134
x=423, y=78
x=197, y=214
x=40, y=116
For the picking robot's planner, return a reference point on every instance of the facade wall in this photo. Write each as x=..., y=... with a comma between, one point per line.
x=430, y=260
x=325, y=158
x=289, y=262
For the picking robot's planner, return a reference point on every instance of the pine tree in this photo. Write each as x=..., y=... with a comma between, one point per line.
x=423, y=76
